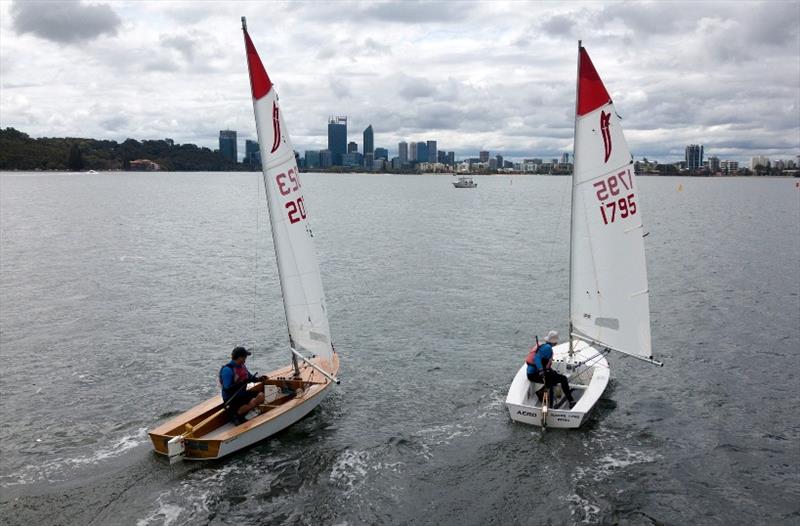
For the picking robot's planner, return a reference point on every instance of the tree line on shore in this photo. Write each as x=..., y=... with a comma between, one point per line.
x=18, y=151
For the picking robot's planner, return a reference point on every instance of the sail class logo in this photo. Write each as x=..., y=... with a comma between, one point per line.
x=276, y=128
x=604, y=124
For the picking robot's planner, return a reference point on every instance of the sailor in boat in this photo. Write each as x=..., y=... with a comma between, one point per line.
x=540, y=361
x=234, y=377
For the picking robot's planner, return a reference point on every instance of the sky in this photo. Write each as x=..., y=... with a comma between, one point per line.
x=497, y=76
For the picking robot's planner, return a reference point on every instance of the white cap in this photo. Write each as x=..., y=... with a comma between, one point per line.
x=552, y=337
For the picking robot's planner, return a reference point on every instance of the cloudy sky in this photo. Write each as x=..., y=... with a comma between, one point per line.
x=489, y=75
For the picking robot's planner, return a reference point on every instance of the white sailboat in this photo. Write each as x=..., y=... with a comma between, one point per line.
x=608, y=298
x=205, y=432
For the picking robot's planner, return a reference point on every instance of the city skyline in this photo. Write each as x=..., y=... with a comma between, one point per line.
x=175, y=70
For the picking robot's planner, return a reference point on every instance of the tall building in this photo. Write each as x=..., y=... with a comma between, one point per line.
x=757, y=161
x=337, y=139
x=499, y=159
x=451, y=158
x=412, y=154
x=227, y=145
x=402, y=152
x=352, y=147
x=441, y=157
x=422, y=152
x=432, y=151
x=694, y=157
x=713, y=164
x=252, y=155
x=484, y=156
x=369, y=140
x=565, y=158
x=381, y=153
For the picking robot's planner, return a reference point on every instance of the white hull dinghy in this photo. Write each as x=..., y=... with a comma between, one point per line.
x=205, y=431
x=608, y=295
x=465, y=182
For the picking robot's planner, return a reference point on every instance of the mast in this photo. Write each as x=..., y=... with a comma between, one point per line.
x=272, y=225
x=572, y=203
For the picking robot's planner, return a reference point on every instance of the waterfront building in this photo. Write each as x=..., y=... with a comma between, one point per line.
x=441, y=157
x=422, y=152
x=499, y=159
x=325, y=159
x=729, y=167
x=227, y=145
x=694, y=157
x=381, y=153
x=351, y=159
x=352, y=147
x=451, y=158
x=312, y=159
x=758, y=161
x=412, y=154
x=431, y=151
x=713, y=164
x=565, y=158
x=252, y=154
x=493, y=164
x=369, y=160
x=396, y=163
x=369, y=140
x=483, y=156
x=337, y=139
x=402, y=152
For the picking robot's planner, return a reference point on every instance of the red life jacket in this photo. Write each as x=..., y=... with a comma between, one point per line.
x=531, y=359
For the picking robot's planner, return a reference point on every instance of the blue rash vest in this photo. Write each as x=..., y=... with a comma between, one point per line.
x=543, y=355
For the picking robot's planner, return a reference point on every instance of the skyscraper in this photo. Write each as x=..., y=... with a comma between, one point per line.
x=484, y=156
x=432, y=151
x=499, y=160
x=565, y=158
x=694, y=157
x=422, y=152
x=227, y=145
x=381, y=153
x=337, y=139
x=352, y=147
x=412, y=154
x=402, y=152
x=369, y=140
x=252, y=155
x=451, y=158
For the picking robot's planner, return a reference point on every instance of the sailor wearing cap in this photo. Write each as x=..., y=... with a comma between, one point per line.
x=540, y=361
x=234, y=377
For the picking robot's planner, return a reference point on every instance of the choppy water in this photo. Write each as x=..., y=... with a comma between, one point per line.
x=122, y=294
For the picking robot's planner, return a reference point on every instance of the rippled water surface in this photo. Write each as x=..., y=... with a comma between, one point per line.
x=123, y=294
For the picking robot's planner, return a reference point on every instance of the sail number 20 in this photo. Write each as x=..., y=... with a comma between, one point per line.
x=287, y=183
x=611, y=187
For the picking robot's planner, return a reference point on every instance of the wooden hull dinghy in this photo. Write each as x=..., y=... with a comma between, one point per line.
x=609, y=305
x=588, y=375
x=205, y=431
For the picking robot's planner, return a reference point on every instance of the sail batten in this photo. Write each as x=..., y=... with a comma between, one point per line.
x=298, y=269
x=609, y=300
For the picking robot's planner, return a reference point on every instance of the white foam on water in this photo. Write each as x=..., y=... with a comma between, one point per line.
x=54, y=470
x=350, y=469
x=588, y=512
x=165, y=515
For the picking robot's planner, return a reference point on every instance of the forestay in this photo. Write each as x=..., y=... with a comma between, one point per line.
x=301, y=285
x=609, y=299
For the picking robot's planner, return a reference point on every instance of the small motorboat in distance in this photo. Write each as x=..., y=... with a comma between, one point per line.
x=465, y=182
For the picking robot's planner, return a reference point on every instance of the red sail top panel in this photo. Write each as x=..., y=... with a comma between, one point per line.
x=591, y=92
x=259, y=80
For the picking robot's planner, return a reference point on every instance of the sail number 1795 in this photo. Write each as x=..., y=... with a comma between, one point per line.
x=287, y=183
x=608, y=193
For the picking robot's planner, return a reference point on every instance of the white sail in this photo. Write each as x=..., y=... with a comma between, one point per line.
x=301, y=284
x=609, y=299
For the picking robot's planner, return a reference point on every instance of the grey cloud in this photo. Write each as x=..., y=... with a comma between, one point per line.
x=115, y=123
x=415, y=88
x=375, y=47
x=67, y=21
x=417, y=12
x=339, y=88
x=559, y=24
x=185, y=45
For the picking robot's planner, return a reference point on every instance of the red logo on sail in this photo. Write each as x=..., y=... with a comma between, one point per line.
x=604, y=123
x=276, y=128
